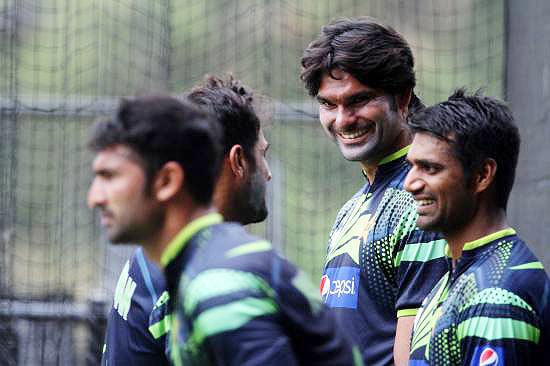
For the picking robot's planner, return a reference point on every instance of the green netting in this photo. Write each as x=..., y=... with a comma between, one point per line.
x=63, y=63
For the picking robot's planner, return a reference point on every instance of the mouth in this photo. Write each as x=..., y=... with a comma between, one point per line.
x=423, y=205
x=105, y=218
x=353, y=134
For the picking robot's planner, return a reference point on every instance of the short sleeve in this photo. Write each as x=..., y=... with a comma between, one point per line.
x=419, y=261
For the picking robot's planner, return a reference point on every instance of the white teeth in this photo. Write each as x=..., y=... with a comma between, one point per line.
x=424, y=202
x=354, y=134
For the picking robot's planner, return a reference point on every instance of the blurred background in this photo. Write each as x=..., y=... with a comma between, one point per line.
x=64, y=63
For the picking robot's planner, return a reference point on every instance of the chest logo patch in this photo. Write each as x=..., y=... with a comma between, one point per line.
x=340, y=287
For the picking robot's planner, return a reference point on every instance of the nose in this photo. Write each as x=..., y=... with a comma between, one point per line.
x=344, y=117
x=96, y=197
x=413, y=184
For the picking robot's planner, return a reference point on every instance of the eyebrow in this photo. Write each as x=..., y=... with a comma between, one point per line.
x=354, y=98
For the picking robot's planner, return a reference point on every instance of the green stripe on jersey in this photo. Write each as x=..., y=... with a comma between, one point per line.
x=421, y=252
x=302, y=282
x=248, y=248
x=357, y=356
x=161, y=327
x=230, y=316
x=497, y=296
x=218, y=282
x=497, y=328
x=530, y=265
x=163, y=299
x=406, y=312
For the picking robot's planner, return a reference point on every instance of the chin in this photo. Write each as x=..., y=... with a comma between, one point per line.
x=426, y=224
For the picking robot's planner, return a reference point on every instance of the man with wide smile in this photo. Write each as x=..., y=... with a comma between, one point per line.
x=379, y=266
x=492, y=307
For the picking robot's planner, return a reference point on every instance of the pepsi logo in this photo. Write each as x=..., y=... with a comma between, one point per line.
x=324, y=287
x=488, y=357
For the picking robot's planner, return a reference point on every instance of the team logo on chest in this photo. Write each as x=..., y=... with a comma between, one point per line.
x=356, y=226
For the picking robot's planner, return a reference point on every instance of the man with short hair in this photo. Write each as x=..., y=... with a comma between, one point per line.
x=493, y=305
x=137, y=330
x=232, y=299
x=379, y=266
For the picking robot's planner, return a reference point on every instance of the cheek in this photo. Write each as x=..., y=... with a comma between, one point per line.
x=325, y=117
x=127, y=190
x=380, y=112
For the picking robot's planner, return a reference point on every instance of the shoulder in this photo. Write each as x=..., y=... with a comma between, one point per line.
x=510, y=280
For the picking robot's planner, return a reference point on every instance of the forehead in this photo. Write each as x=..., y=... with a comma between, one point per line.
x=343, y=84
x=115, y=157
x=425, y=146
x=261, y=142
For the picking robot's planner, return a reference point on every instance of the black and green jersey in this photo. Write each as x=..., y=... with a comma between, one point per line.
x=493, y=308
x=129, y=339
x=379, y=265
x=235, y=301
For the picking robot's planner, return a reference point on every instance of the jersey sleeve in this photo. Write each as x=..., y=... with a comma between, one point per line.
x=228, y=317
x=498, y=325
x=317, y=338
x=419, y=262
x=240, y=317
x=128, y=339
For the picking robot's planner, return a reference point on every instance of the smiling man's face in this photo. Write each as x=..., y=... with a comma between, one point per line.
x=364, y=122
x=445, y=202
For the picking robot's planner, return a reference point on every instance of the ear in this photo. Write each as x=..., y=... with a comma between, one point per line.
x=402, y=102
x=237, y=161
x=169, y=181
x=485, y=175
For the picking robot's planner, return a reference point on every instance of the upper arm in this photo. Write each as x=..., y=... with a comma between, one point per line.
x=419, y=262
x=230, y=315
x=401, y=347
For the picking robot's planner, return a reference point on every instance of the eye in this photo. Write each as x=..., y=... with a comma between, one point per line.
x=359, y=102
x=325, y=104
x=430, y=168
x=104, y=174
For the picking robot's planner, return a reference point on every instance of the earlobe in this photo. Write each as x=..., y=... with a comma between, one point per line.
x=169, y=181
x=486, y=175
x=237, y=161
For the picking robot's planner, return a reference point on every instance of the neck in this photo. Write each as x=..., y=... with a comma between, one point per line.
x=485, y=222
x=370, y=166
x=175, y=220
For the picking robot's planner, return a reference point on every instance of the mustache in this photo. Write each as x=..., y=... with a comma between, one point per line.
x=104, y=211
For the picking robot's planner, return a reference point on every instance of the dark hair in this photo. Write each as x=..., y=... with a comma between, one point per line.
x=477, y=128
x=232, y=104
x=373, y=53
x=160, y=129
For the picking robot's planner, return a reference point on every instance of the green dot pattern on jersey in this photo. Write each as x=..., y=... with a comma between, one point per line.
x=498, y=261
x=377, y=255
x=445, y=345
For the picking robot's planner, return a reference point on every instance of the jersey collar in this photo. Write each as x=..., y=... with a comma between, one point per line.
x=384, y=164
x=396, y=155
x=181, y=239
x=487, y=239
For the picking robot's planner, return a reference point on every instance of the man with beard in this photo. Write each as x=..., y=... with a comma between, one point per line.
x=137, y=324
x=231, y=299
x=379, y=265
x=492, y=307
